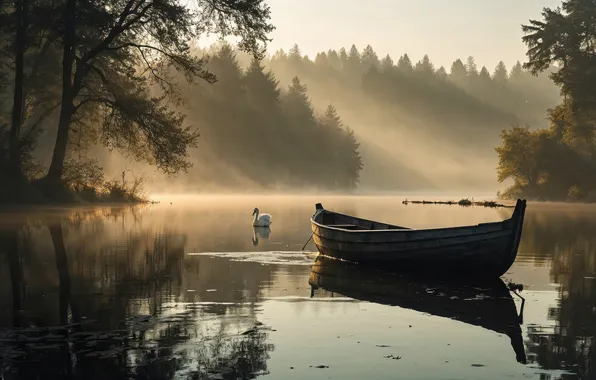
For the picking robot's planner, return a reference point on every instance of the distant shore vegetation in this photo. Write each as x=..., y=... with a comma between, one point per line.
x=225, y=117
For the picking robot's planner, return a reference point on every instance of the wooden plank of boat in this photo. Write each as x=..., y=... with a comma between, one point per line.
x=487, y=304
x=487, y=249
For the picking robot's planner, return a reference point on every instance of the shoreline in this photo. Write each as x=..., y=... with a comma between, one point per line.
x=27, y=207
x=155, y=199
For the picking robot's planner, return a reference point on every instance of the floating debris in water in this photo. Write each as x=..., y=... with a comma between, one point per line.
x=392, y=357
x=320, y=366
x=382, y=345
x=462, y=202
x=250, y=331
x=477, y=365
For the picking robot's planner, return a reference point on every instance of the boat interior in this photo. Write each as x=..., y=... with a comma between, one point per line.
x=346, y=222
x=351, y=223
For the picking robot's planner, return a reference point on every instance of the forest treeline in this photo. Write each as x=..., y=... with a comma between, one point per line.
x=254, y=137
x=263, y=135
x=462, y=92
x=558, y=162
x=91, y=99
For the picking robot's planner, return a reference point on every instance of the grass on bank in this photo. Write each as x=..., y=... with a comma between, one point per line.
x=82, y=182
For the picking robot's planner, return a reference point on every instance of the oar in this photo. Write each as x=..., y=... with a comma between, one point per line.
x=306, y=243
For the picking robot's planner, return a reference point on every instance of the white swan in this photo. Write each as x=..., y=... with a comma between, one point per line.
x=262, y=220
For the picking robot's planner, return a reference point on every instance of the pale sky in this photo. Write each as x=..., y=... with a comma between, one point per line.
x=489, y=30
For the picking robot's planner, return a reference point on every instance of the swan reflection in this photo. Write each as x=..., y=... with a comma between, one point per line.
x=260, y=232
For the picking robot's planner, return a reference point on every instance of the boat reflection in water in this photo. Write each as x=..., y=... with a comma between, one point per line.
x=488, y=304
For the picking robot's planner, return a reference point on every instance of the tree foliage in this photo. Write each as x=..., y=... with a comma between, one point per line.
x=271, y=135
x=115, y=61
x=556, y=162
x=112, y=58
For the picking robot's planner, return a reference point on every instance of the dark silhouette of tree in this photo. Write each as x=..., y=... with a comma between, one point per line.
x=353, y=166
x=297, y=105
x=331, y=119
x=29, y=58
x=370, y=58
x=562, y=154
x=472, y=75
x=387, y=64
x=404, y=63
x=21, y=16
x=425, y=67
x=458, y=72
x=484, y=81
x=343, y=58
x=345, y=159
x=353, y=62
x=517, y=72
x=321, y=59
x=295, y=57
x=442, y=73
x=484, y=75
x=262, y=87
x=500, y=75
x=264, y=100
x=334, y=60
x=471, y=67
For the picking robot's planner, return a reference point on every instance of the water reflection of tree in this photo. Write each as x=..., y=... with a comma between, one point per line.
x=569, y=242
x=13, y=263
x=102, y=308
x=224, y=283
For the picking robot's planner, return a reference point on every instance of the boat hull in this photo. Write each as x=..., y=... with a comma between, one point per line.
x=483, y=250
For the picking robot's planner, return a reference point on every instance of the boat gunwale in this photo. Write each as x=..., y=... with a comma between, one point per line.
x=398, y=230
x=504, y=237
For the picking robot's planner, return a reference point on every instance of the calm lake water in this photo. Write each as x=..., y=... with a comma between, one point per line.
x=188, y=290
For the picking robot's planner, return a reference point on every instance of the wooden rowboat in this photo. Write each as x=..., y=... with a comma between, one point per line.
x=484, y=250
x=486, y=304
